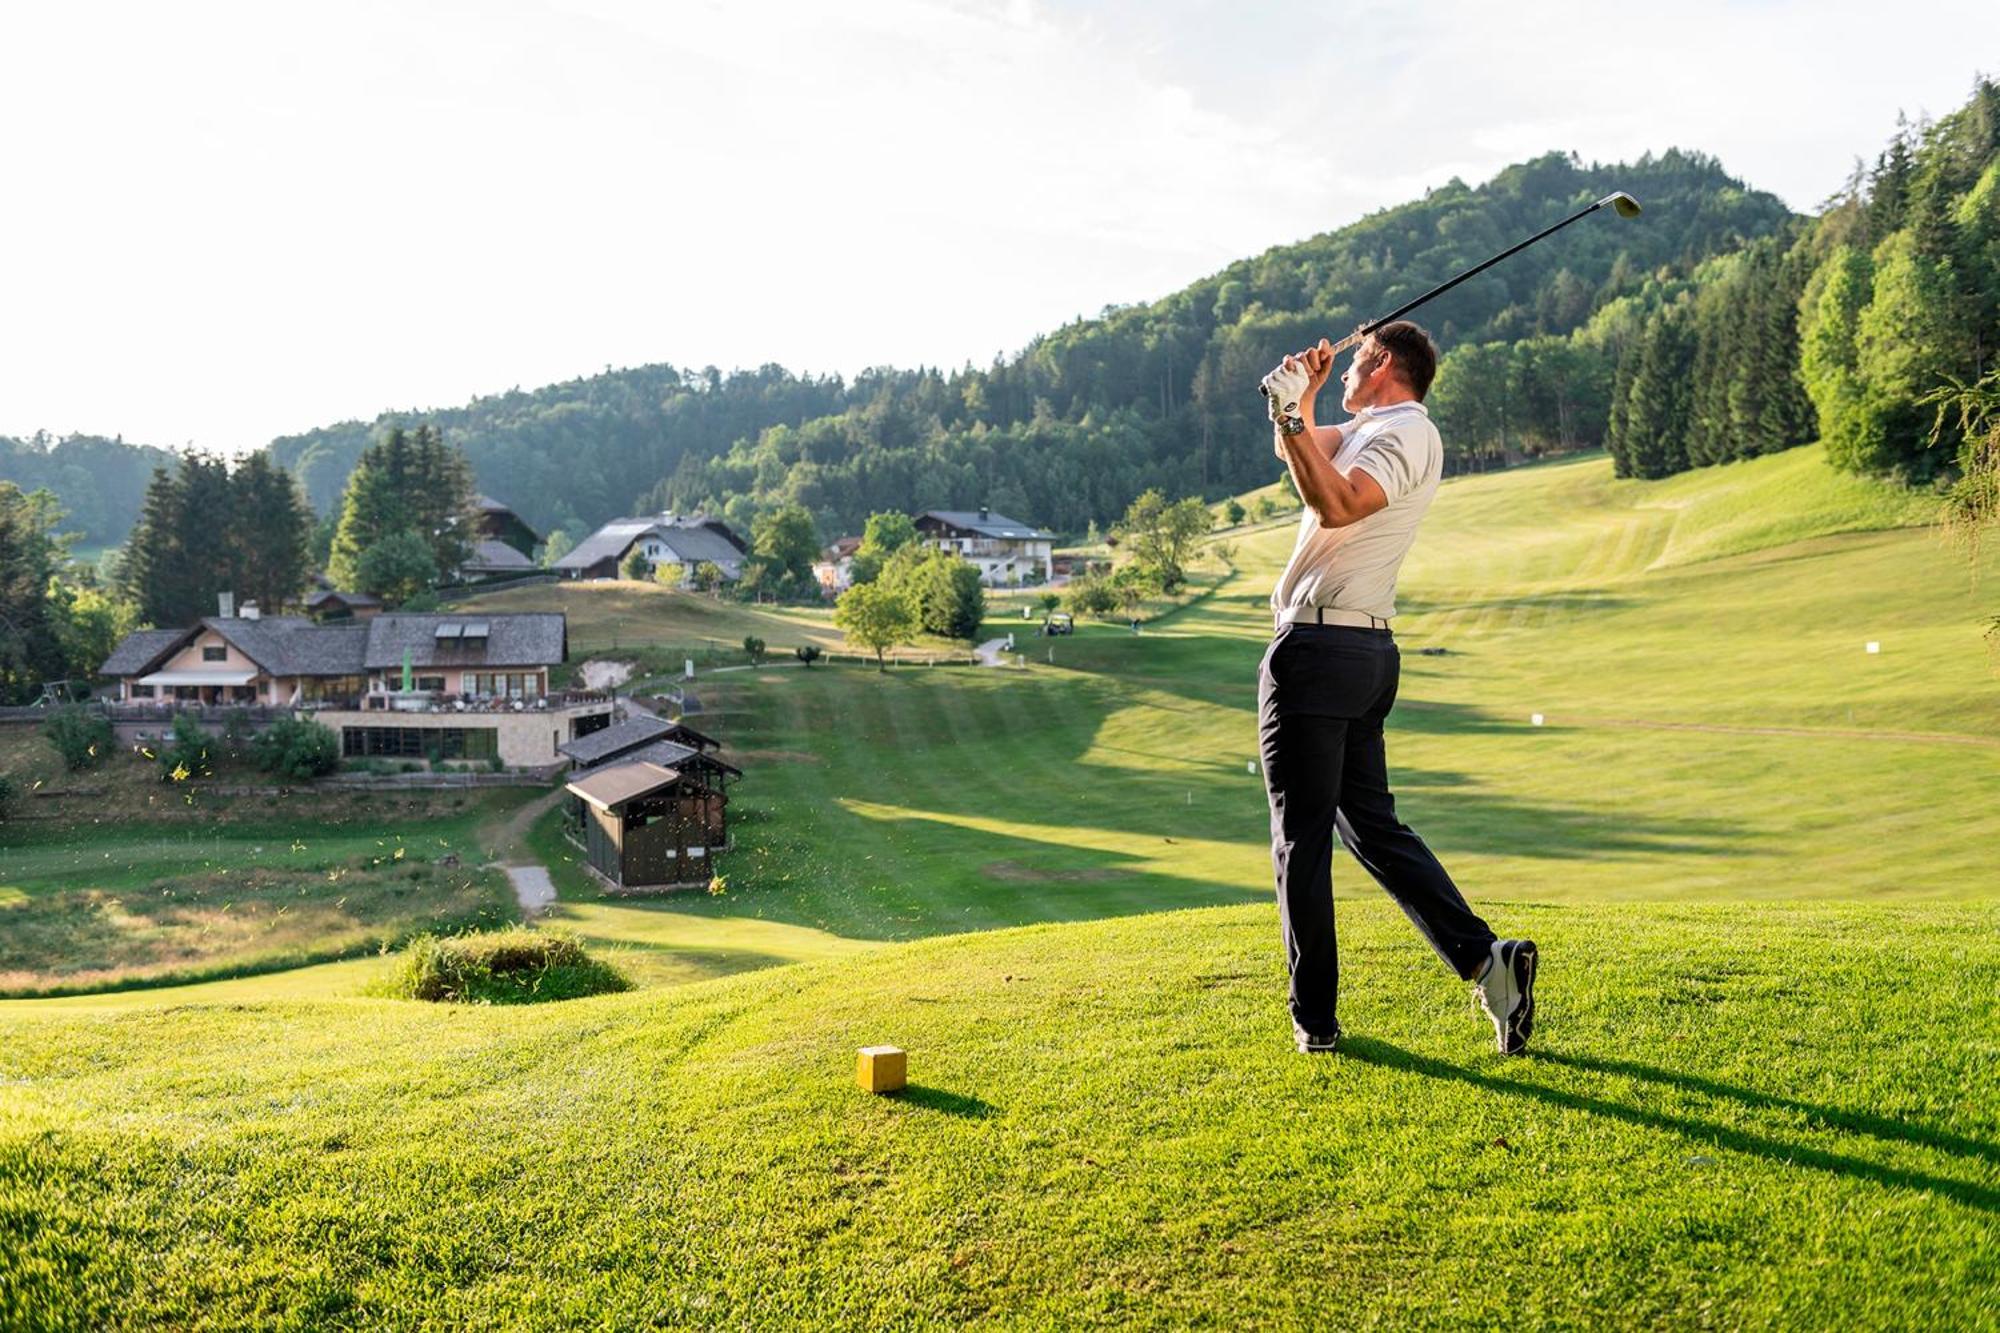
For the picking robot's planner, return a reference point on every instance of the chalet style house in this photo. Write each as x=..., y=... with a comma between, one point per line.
x=397, y=684
x=686, y=541
x=504, y=547
x=650, y=799
x=1006, y=550
x=835, y=567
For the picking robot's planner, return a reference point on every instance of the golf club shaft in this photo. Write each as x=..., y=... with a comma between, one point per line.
x=1353, y=338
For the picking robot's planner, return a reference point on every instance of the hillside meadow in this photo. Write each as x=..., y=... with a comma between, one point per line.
x=1756, y=858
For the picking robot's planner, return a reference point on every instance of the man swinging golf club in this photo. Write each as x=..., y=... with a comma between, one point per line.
x=1329, y=679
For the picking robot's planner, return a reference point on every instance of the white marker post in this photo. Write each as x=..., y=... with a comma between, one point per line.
x=1534, y=719
x=1874, y=647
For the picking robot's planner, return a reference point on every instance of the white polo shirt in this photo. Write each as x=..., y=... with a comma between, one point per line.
x=1354, y=568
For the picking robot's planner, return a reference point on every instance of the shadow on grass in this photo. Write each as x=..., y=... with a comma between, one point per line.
x=1569, y=601
x=1832, y=1117
x=950, y=1103
x=1983, y=1197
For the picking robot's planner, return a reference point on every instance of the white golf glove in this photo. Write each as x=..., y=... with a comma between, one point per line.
x=1282, y=389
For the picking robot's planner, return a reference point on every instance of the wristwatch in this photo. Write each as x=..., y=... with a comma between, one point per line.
x=1291, y=424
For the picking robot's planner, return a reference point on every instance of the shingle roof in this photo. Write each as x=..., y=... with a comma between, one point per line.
x=686, y=734
x=675, y=755
x=139, y=649
x=325, y=595
x=517, y=639
x=690, y=542
x=613, y=787
x=989, y=524
x=601, y=745
x=488, y=554
x=325, y=650
x=294, y=646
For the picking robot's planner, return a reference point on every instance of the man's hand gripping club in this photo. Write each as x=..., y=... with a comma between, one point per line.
x=1336, y=498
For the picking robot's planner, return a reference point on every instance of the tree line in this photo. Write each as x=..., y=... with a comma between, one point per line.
x=1067, y=432
x=1848, y=328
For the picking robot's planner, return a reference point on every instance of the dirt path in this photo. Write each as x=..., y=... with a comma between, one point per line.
x=533, y=889
x=506, y=840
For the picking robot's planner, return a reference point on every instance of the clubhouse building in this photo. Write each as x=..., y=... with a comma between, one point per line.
x=397, y=684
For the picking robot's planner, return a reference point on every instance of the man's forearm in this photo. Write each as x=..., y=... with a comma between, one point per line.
x=1334, y=499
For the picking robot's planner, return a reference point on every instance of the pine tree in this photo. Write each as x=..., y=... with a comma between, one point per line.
x=154, y=562
x=270, y=532
x=1661, y=406
x=30, y=651
x=1618, y=424
x=440, y=499
x=377, y=505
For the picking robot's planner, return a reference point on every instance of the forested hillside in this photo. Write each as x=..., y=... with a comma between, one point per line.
x=1853, y=329
x=99, y=483
x=1088, y=416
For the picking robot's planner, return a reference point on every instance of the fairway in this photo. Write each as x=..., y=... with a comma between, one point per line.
x=1756, y=858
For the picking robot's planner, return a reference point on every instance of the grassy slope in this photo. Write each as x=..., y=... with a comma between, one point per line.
x=86, y=907
x=1745, y=1110
x=1732, y=1119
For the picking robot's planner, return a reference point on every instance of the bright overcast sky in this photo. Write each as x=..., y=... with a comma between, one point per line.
x=226, y=222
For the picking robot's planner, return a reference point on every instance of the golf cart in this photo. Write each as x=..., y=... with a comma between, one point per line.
x=1059, y=622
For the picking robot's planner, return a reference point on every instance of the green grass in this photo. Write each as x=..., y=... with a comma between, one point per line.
x=1736, y=1116
x=110, y=905
x=1757, y=859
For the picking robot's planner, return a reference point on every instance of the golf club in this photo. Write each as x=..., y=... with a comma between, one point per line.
x=1622, y=203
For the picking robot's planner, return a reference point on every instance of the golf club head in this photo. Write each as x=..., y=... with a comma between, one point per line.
x=1625, y=204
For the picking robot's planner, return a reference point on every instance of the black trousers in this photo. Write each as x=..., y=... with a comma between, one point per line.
x=1322, y=694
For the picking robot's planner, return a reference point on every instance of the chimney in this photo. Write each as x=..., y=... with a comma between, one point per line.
x=250, y=611
x=984, y=513
x=226, y=604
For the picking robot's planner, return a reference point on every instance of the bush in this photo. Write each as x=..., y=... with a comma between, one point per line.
x=187, y=753
x=807, y=653
x=296, y=749
x=497, y=764
x=636, y=566
x=519, y=965
x=1232, y=512
x=80, y=736
x=753, y=648
x=1090, y=595
x=7, y=792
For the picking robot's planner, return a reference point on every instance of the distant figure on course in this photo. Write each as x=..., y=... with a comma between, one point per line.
x=1329, y=679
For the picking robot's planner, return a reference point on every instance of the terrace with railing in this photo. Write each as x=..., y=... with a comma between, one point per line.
x=146, y=710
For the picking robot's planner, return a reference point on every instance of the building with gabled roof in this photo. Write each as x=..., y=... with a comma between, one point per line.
x=663, y=538
x=650, y=802
x=499, y=523
x=1005, y=550
x=398, y=685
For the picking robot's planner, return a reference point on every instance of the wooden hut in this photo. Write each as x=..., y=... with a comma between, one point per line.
x=646, y=825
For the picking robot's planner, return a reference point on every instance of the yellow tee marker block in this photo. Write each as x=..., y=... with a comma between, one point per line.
x=881, y=1069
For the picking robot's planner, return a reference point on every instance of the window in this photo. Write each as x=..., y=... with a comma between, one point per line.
x=434, y=684
x=506, y=684
x=419, y=742
x=142, y=691
x=214, y=653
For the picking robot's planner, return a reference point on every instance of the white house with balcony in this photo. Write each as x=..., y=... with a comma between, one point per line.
x=399, y=685
x=1005, y=550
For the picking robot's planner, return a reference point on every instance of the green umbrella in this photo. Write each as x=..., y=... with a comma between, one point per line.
x=406, y=670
